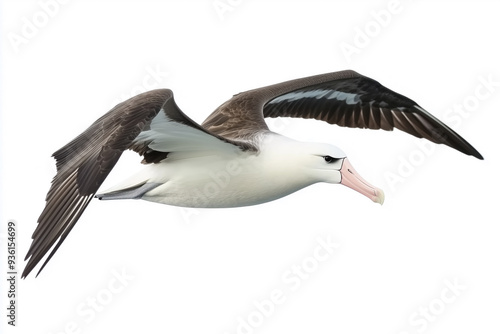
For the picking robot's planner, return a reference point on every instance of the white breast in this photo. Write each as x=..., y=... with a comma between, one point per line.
x=237, y=179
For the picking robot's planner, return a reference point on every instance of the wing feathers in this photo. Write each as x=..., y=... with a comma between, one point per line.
x=344, y=98
x=84, y=163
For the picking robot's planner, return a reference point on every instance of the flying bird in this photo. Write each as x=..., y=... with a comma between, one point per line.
x=232, y=159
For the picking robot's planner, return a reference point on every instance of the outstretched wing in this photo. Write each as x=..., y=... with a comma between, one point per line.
x=344, y=98
x=85, y=162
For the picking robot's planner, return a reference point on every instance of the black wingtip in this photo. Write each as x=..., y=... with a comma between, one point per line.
x=29, y=266
x=470, y=150
x=26, y=271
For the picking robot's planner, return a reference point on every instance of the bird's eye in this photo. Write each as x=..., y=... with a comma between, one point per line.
x=329, y=159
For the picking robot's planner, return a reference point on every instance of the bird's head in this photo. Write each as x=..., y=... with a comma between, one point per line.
x=328, y=163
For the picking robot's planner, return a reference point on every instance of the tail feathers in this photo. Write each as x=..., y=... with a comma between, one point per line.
x=134, y=192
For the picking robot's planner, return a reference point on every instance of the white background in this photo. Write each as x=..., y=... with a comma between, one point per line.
x=201, y=271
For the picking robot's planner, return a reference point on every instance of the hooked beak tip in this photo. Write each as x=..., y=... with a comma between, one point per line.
x=379, y=196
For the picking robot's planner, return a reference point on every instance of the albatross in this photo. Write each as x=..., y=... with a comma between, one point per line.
x=233, y=146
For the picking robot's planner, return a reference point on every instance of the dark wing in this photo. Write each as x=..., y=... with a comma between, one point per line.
x=84, y=163
x=344, y=98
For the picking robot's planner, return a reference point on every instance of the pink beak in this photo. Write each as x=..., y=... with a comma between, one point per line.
x=354, y=181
